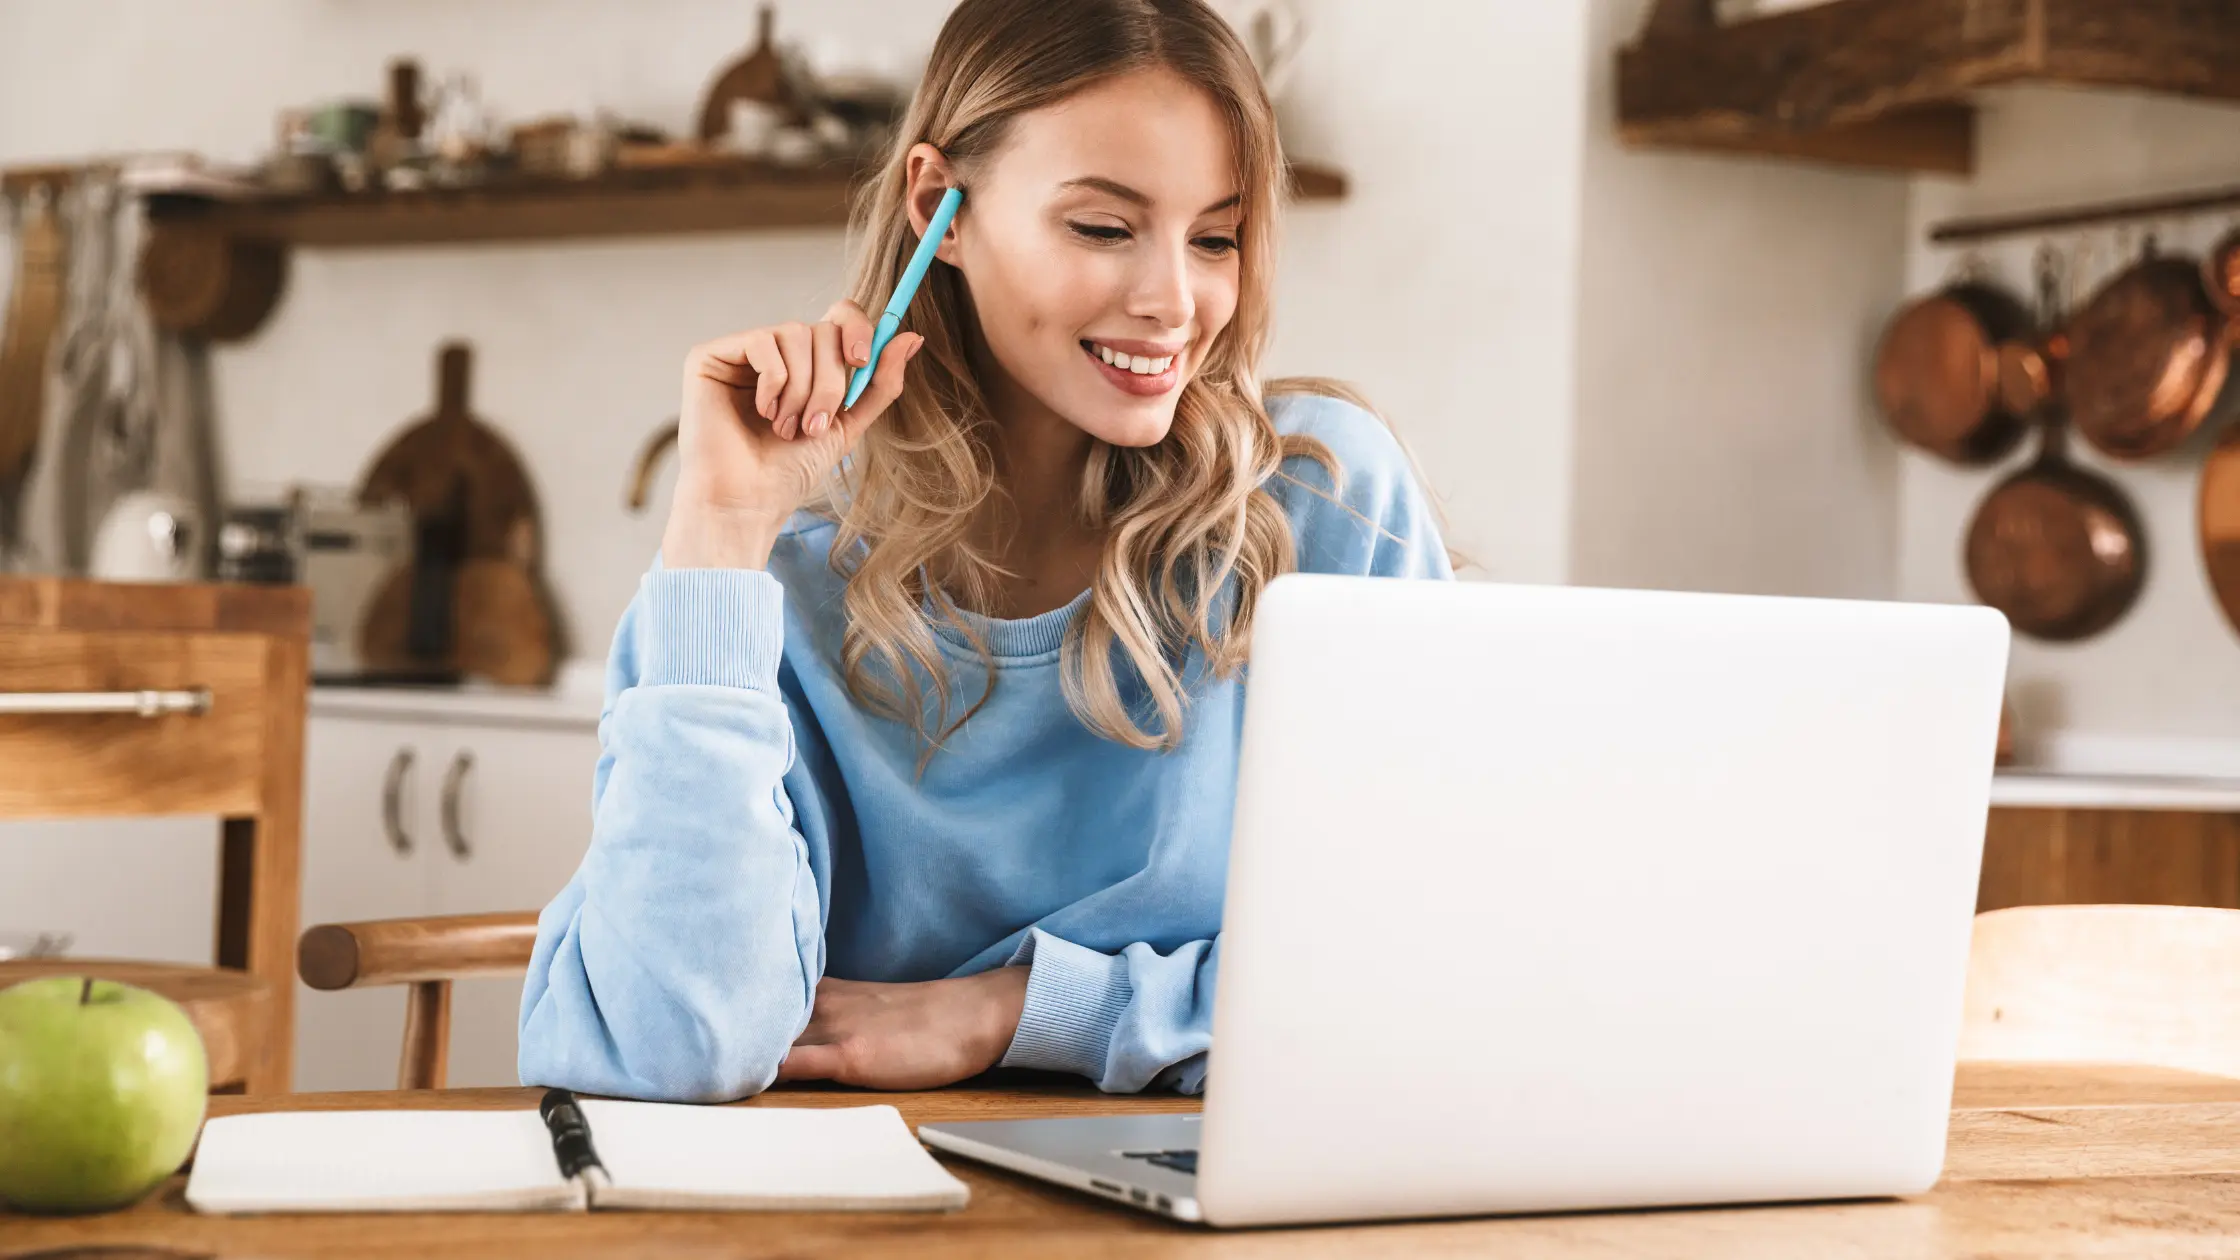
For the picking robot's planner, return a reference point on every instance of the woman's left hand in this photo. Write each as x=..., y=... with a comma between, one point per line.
x=908, y=1036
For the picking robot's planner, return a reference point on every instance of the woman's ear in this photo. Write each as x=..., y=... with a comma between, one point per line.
x=928, y=177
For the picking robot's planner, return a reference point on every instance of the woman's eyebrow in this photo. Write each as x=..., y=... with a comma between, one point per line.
x=1115, y=188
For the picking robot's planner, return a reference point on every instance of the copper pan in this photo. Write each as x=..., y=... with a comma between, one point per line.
x=2218, y=509
x=2219, y=518
x=2148, y=357
x=1936, y=372
x=2220, y=273
x=2056, y=548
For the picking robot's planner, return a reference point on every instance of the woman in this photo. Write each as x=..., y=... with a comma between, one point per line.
x=936, y=774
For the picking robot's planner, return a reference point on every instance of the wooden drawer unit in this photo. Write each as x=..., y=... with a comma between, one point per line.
x=2038, y=857
x=130, y=701
x=162, y=759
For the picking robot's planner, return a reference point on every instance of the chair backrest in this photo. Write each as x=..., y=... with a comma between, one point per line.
x=2154, y=985
x=426, y=954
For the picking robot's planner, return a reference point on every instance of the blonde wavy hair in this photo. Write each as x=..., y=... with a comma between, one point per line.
x=1192, y=535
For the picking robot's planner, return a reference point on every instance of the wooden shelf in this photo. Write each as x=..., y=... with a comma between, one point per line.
x=1884, y=83
x=733, y=197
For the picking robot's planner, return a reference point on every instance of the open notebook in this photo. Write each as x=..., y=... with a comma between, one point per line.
x=620, y=1155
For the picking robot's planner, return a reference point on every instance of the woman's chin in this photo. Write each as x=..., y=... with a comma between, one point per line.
x=1130, y=426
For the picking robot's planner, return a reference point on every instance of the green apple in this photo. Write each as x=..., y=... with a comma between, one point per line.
x=102, y=1087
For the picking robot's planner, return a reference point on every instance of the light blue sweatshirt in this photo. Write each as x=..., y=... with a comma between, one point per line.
x=755, y=830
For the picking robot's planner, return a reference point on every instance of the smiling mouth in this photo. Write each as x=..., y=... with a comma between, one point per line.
x=1135, y=374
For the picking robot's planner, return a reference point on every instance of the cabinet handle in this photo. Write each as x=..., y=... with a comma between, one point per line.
x=392, y=812
x=193, y=702
x=452, y=779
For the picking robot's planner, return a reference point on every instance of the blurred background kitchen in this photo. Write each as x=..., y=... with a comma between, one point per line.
x=389, y=297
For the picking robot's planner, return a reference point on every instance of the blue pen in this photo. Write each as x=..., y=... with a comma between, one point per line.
x=891, y=320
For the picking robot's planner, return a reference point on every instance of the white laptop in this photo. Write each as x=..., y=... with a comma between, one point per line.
x=1545, y=898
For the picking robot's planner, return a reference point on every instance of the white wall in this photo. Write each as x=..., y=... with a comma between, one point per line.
x=1442, y=287
x=1724, y=439
x=2171, y=669
x=1446, y=285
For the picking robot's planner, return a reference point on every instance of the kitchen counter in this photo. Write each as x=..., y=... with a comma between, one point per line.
x=2022, y=788
x=571, y=702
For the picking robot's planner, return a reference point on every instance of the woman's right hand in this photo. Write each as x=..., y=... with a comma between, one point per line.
x=761, y=427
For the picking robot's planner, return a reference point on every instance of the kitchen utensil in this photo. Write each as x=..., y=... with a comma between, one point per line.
x=1273, y=31
x=1936, y=374
x=254, y=544
x=207, y=284
x=453, y=452
x=758, y=76
x=148, y=536
x=34, y=315
x=134, y=408
x=346, y=552
x=470, y=502
x=2031, y=371
x=504, y=631
x=2220, y=273
x=2148, y=357
x=348, y=126
x=2056, y=548
x=648, y=462
x=498, y=625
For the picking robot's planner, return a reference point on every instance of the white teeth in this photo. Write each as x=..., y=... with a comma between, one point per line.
x=1141, y=365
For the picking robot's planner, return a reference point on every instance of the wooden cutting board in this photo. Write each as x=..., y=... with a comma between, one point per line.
x=461, y=476
x=451, y=448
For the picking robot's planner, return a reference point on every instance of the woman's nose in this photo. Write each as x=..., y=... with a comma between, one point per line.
x=1161, y=287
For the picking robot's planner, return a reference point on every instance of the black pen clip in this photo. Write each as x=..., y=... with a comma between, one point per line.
x=571, y=1133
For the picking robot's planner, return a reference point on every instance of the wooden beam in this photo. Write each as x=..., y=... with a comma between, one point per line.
x=735, y=198
x=2177, y=47
x=1787, y=83
x=1847, y=61
x=1939, y=138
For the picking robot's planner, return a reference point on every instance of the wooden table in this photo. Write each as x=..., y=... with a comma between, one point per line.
x=2044, y=1161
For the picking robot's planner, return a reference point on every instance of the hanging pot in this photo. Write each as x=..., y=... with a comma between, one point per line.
x=208, y=285
x=2148, y=356
x=2056, y=548
x=1936, y=373
x=2218, y=519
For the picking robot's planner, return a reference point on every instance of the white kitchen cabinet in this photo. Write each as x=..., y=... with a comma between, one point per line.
x=140, y=888
x=518, y=826
x=410, y=815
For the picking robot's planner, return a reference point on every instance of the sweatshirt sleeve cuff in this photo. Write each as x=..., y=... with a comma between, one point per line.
x=1075, y=997
x=714, y=627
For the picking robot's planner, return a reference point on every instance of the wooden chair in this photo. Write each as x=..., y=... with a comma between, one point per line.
x=2156, y=985
x=427, y=954
x=143, y=700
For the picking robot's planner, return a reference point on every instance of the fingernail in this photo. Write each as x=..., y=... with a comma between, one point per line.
x=860, y=353
x=787, y=426
x=912, y=352
x=816, y=423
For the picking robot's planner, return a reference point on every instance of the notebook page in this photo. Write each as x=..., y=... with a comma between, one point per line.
x=378, y=1161
x=662, y=1155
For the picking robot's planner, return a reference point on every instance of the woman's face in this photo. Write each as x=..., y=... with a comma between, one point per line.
x=1100, y=249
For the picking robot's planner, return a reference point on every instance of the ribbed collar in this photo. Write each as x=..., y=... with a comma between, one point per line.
x=1016, y=641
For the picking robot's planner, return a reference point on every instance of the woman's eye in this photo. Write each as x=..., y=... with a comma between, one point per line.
x=1217, y=244
x=1103, y=234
